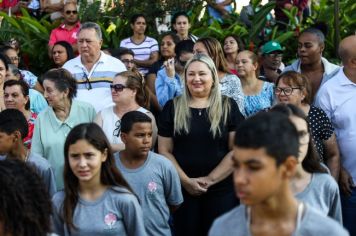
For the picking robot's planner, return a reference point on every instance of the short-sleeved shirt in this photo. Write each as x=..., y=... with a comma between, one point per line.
x=142, y=51
x=230, y=85
x=157, y=185
x=322, y=193
x=321, y=129
x=199, y=152
x=44, y=170
x=313, y=223
x=61, y=33
x=50, y=134
x=99, y=78
x=263, y=100
x=116, y=212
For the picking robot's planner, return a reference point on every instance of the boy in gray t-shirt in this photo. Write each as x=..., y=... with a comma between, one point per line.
x=13, y=129
x=151, y=176
x=265, y=159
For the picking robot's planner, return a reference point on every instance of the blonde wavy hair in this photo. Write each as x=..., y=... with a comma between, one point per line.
x=219, y=106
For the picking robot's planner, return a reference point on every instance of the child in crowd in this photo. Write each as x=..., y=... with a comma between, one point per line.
x=153, y=177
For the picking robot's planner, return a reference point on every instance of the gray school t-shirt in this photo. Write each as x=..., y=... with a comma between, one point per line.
x=322, y=193
x=313, y=223
x=116, y=212
x=157, y=185
x=44, y=170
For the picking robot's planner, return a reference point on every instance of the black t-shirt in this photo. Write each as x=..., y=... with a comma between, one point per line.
x=198, y=152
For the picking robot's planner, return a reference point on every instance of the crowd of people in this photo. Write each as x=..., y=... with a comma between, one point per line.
x=185, y=136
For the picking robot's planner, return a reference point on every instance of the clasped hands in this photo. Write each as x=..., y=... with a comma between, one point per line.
x=198, y=186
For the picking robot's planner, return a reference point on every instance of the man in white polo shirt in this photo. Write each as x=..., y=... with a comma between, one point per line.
x=93, y=69
x=337, y=97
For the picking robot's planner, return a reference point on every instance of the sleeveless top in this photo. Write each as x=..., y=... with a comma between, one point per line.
x=111, y=124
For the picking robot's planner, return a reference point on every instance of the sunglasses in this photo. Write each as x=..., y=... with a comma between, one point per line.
x=71, y=12
x=118, y=87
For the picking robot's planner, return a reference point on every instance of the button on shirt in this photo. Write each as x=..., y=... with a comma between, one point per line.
x=337, y=97
x=62, y=34
x=94, y=85
x=50, y=134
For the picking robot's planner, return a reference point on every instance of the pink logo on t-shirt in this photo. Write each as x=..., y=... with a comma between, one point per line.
x=110, y=219
x=152, y=186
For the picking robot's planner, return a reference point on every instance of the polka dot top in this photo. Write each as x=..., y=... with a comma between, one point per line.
x=321, y=129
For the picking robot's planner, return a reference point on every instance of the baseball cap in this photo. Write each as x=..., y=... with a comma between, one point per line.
x=271, y=46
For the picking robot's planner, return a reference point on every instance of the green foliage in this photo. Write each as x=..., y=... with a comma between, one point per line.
x=33, y=36
x=114, y=16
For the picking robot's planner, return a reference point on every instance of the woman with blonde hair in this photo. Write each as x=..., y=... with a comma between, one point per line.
x=196, y=133
x=230, y=84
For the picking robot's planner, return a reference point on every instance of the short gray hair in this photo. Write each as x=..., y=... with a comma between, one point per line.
x=92, y=25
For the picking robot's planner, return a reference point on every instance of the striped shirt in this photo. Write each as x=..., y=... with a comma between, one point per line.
x=142, y=51
x=94, y=85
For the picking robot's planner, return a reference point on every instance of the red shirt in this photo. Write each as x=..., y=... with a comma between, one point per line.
x=62, y=34
x=5, y=4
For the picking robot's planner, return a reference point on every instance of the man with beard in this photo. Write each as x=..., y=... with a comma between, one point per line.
x=67, y=31
x=272, y=54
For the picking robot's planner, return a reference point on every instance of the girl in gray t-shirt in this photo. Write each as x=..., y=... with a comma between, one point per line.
x=96, y=199
x=312, y=183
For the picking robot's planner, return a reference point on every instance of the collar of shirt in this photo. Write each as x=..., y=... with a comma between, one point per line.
x=70, y=121
x=343, y=78
x=63, y=26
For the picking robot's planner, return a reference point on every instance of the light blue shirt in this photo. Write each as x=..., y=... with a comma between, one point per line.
x=50, y=134
x=37, y=102
x=337, y=97
x=167, y=87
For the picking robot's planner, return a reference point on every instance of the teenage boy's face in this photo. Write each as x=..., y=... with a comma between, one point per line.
x=256, y=175
x=6, y=142
x=138, y=141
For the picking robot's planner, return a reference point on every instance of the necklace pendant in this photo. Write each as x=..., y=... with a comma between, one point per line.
x=199, y=112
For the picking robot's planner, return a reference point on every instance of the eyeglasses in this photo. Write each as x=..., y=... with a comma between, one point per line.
x=117, y=130
x=14, y=58
x=71, y=12
x=87, y=84
x=127, y=61
x=117, y=87
x=183, y=63
x=275, y=55
x=287, y=91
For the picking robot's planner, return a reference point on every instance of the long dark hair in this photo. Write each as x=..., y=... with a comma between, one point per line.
x=109, y=174
x=311, y=161
x=136, y=81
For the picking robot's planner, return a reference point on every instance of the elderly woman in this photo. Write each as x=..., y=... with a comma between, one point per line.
x=294, y=88
x=196, y=133
x=129, y=94
x=229, y=84
x=38, y=102
x=16, y=96
x=258, y=94
x=53, y=124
